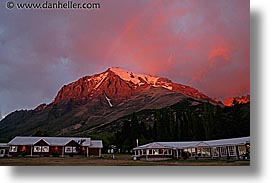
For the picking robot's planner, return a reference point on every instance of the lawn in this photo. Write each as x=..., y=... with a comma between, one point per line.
x=106, y=160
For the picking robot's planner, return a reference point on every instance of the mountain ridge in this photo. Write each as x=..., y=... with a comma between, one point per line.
x=90, y=87
x=89, y=103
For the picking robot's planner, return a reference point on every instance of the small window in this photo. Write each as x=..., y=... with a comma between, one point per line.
x=206, y=152
x=190, y=151
x=232, y=151
x=242, y=150
x=74, y=150
x=155, y=151
x=167, y=151
x=215, y=152
x=203, y=152
x=223, y=151
x=68, y=149
x=45, y=149
x=13, y=148
x=37, y=149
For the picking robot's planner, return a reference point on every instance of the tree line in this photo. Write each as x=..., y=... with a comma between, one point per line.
x=203, y=122
x=178, y=123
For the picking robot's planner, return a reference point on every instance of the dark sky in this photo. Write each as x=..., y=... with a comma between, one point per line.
x=200, y=43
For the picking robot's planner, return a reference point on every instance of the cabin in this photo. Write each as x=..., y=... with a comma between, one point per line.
x=54, y=146
x=234, y=148
x=4, y=149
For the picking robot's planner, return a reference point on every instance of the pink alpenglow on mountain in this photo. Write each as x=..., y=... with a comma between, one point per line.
x=240, y=100
x=116, y=84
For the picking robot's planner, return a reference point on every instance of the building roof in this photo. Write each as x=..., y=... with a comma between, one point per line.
x=96, y=143
x=233, y=141
x=169, y=145
x=153, y=145
x=189, y=144
x=4, y=145
x=58, y=141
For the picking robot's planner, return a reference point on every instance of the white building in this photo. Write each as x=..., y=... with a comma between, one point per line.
x=235, y=148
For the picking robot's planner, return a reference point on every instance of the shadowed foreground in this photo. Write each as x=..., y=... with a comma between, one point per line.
x=120, y=160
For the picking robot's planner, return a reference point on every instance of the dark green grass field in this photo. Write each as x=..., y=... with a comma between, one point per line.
x=106, y=160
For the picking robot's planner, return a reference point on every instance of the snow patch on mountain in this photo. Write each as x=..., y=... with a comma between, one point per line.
x=97, y=79
x=139, y=79
x=100, y=79
x=134, y=78
x=109, y=101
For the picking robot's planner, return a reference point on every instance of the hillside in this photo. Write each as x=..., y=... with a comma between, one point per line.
x=100, y=104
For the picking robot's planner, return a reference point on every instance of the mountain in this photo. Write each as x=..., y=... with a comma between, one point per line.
x=102, y=102
x=242, y=100
x=117, y=85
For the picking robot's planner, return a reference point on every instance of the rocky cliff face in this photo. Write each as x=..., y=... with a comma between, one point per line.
x=116, y=85
x=106, y=85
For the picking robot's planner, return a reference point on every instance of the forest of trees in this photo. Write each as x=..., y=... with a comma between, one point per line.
x=205, y=122
x=180, y=122
x=177, y=123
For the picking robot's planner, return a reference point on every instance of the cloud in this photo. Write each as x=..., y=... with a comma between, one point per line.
x=217, y=58
x=217, y=53
x=204, y=44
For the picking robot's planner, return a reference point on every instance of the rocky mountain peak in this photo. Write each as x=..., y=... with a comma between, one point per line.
x=116, y=84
